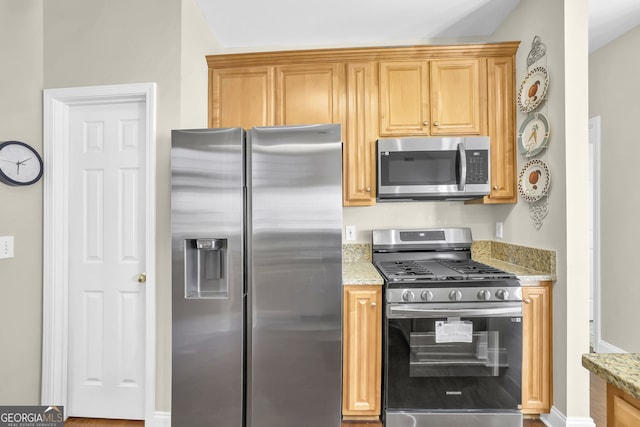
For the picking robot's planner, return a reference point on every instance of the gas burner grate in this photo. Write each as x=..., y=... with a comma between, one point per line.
x=405, y=269
x=474, y=269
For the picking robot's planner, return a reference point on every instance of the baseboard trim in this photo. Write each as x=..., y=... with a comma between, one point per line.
x=161, y=419
x=557, y=419
x=605, y=347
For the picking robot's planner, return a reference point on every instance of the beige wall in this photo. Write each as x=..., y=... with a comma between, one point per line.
x=613, y=89
x=564, y=31
x=83, y=44
x=21, y=207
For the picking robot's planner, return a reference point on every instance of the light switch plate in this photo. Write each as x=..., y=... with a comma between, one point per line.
x=499, y=233
x=6, y=247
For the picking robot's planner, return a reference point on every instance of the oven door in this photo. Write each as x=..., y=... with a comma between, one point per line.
x=453, y=356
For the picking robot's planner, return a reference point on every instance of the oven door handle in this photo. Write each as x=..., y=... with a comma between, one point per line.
x=407, y=311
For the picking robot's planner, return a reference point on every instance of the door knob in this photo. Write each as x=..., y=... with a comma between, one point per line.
x=142, y=277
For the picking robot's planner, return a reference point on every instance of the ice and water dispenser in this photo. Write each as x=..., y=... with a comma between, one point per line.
x=205, y=269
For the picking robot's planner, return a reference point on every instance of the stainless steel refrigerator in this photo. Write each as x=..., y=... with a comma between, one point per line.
x=256, y=265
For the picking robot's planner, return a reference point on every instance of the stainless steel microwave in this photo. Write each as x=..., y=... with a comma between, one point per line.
x=433, y=168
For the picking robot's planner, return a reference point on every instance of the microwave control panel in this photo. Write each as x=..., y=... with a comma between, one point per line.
x=477, y=166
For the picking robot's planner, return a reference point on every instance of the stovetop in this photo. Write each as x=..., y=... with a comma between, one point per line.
x=435, y=265
x=401, y=271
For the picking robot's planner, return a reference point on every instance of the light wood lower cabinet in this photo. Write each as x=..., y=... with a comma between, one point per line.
x=536, y=349
x=362, y=352
x=623, y=410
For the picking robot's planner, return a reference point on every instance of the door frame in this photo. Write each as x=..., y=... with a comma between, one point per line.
x=595, y=132
x=55, y=308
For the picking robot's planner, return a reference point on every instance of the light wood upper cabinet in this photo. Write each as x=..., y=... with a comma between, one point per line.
x=359, y=172
x=440, y=97
x=455, y=94
x=404, y=98
x=502, y=123
x=536, y=349
x=377, y=92
x=308, y=94
x=362, y=352
x=241, y=97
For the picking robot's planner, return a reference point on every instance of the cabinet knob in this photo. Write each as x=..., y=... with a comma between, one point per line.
x=368, y=189
x=495, y=187
x=436, y=123
x=426, y=123
x=373, y=304
x=527, y=300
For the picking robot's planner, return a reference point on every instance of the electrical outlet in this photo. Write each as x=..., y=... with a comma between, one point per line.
x=350, y=233
x=499, y=225
x=6, y=247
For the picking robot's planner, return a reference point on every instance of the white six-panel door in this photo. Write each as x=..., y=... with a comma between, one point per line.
x=106, y=261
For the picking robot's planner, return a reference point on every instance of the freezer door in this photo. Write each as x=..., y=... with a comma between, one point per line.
x=295, y=207
x=207, y=269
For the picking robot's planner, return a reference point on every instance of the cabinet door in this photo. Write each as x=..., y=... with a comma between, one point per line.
x=359, y=162
x=623, y=410
x=241, y=97
x=455, y=97
x=536, y=349
x=501, y=105
x=308, y=94
x=404, y=98
x=362, y=352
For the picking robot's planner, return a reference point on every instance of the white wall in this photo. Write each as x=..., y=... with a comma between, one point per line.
x=21, y=38
x=613, y=89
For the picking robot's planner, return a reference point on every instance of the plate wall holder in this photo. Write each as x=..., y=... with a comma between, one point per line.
x=538, y=209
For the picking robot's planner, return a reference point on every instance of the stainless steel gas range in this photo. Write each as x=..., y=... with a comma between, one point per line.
x=452, y=332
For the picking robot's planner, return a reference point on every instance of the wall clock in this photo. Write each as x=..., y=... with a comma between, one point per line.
x=20, y=164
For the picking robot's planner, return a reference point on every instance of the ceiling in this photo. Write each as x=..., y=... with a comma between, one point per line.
x=257, y=24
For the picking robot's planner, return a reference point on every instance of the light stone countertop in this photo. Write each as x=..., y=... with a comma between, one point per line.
x=360, y=273
x=620, y=369
x=524, y=274
x=528, y=264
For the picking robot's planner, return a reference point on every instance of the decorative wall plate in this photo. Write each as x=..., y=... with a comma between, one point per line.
x=533, y=134
x=533, y=89
x=534, y=180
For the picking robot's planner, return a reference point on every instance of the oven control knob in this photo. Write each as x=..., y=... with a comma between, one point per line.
x=502, y=294
x=407, y=296
x=484, y=294
x=455, y=295
x=426, y=296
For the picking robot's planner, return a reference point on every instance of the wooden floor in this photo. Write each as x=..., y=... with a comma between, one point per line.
x=597, y=407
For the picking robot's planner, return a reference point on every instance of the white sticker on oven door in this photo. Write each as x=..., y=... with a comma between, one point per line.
x=453, y=331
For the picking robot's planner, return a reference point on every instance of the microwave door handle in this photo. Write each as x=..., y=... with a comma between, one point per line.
x=463, y=167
